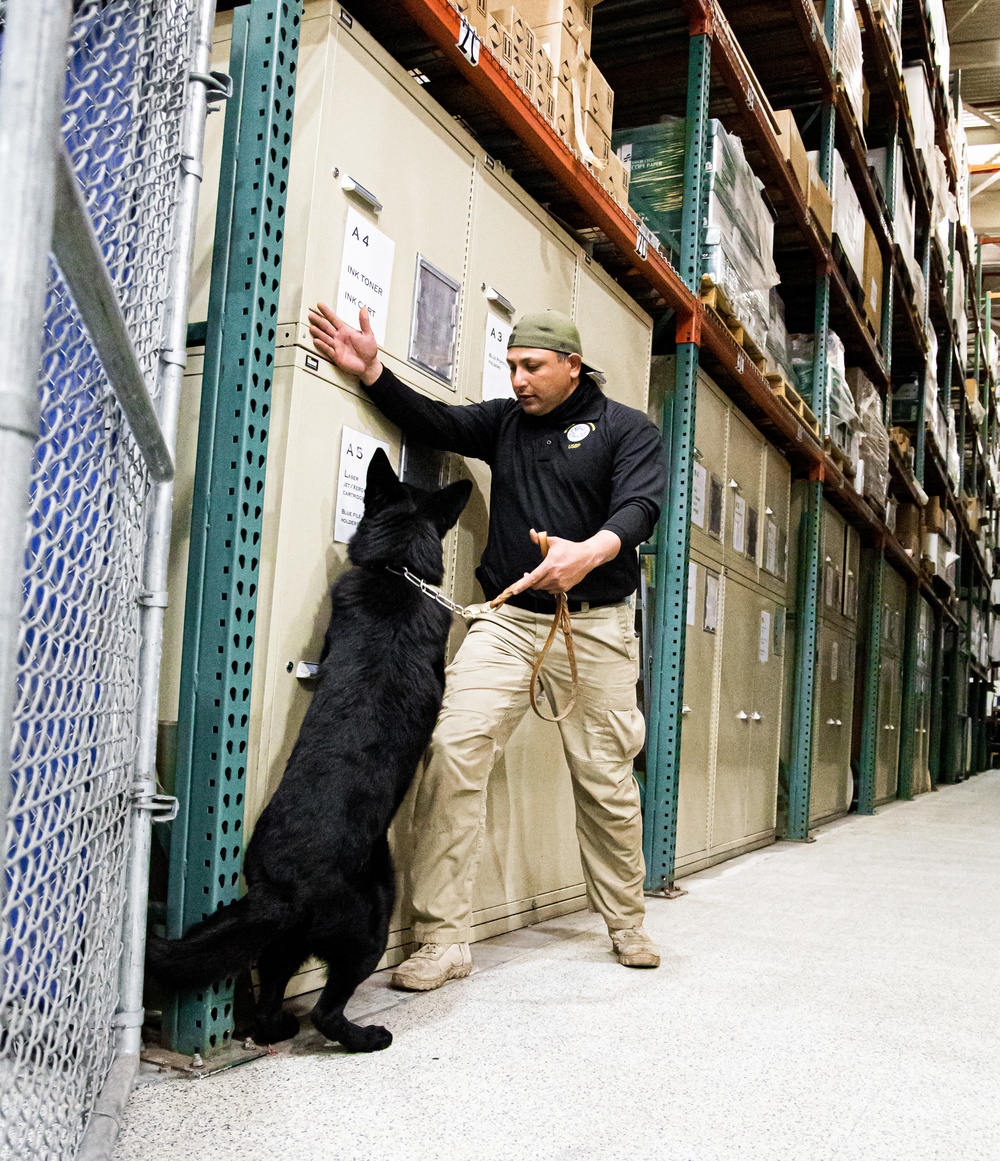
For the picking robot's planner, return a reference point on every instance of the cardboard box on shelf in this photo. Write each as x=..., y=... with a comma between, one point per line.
x=500, y=43
x=908, y=527
x=562, y=119
x=568, y=56
x=820, y=202
x=600, y=101
x=519, y=28
x=544, y=71
x=934, y=515
x=596, y=138
x=573, y=15
x=871, y=282
x=614, y=177
x=792, y=149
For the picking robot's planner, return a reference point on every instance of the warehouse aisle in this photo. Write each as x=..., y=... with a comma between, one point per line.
x=830, y=1001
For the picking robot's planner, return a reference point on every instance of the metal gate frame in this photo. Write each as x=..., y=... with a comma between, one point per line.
x=124, y=345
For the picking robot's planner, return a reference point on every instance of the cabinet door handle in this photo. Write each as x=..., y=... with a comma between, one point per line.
x=830, y=722
x=755, y=717
x=742, y=715
x=839, y=722
x=685, y=709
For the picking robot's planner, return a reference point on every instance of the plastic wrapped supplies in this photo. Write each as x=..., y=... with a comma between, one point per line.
x=872, y=479
x=849, y=57
x=739, y=243
x=952, y=460
x=842, y=421
x=778, y=356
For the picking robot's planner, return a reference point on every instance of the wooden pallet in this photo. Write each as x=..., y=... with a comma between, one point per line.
x=838, y=457
x=714, y=298
x=784, y=391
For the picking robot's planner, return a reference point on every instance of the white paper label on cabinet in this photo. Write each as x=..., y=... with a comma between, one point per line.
x=365, y=274
x=828, y=583
x=764, y=641
x=699, y=482
x=771, y=546
x=739, y=523
x=496, y=374
x=711, y=621
x=356, y=451
x=835, y=661
x=692, y=591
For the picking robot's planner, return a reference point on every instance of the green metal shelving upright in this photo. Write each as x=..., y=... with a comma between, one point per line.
x=674, y=532
x=227, y=509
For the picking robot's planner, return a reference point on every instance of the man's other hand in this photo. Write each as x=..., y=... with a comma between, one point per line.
x=353, y=351
x=568, y=562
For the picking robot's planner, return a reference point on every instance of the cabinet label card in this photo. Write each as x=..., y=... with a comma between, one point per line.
x=739, y=524
x=764, y=641
x=356, y=450
x=834, y=660
x=365, y=274
x=496, y=374
x=699, y=482
x=692, y=591
x=771, y=546
x=711, y=621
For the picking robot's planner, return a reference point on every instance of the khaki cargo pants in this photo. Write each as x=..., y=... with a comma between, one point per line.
x=486, y=696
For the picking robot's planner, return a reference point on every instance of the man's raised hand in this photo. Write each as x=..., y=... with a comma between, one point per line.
x=353, y=351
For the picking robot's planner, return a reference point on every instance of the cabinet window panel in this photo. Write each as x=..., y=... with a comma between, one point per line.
x=752, y=534
x=715, y=507
x=434, y=330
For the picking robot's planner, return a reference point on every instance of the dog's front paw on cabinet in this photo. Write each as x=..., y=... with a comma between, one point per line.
x=275, y=1029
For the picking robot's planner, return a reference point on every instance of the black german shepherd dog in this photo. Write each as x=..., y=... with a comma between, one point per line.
x=318, y=870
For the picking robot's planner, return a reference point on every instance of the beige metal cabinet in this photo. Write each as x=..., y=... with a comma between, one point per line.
x=773, y=549
x=832, y=783
x=744, y=469
x=750, y=699
x=831, y=587
x=852, y=574
x=921, y=780
x=890, y=686
x=708, y=478
x=701, y=659
x=515, y=257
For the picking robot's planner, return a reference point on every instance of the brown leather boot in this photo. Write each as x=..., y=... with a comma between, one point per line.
x=432, y=965
x=634, y=948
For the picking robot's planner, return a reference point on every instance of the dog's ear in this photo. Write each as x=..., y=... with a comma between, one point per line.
x=445, y=507
x=381, y=486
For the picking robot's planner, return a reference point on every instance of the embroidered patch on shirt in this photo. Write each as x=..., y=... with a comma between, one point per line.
x=578, y=432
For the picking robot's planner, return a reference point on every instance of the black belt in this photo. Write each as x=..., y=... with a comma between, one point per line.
x=537, y=603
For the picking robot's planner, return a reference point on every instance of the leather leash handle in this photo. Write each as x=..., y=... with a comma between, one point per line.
x=561, y=620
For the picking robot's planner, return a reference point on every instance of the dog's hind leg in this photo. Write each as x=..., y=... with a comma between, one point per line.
x=276, y=964
x=350, y=963
x=352, y=950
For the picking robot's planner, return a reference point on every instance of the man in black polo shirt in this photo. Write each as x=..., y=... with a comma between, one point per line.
x=589, y=471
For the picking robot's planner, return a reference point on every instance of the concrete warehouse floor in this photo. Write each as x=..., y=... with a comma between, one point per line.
x=831, y=1000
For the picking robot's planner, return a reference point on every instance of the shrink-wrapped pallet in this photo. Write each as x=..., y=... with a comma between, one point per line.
x=739, y=241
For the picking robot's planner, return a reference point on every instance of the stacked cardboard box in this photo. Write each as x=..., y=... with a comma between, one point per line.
x=545, y=46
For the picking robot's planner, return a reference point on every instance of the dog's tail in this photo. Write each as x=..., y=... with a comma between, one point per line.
x=224, y=943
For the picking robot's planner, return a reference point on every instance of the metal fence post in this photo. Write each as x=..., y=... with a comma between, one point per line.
x=31, y=95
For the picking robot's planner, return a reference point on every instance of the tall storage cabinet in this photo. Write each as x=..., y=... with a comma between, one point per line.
x=445, y=202
x=735, y=636
x=890, y=693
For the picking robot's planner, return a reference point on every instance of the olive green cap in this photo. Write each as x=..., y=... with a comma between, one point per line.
x=550, y=330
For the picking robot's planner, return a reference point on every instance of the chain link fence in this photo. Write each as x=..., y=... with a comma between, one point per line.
x=74, y=735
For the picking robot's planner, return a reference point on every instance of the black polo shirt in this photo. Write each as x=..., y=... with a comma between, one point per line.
x=589, y=464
